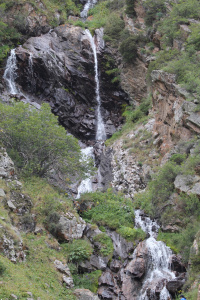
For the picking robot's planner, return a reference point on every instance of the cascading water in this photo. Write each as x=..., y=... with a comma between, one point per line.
x=86, y=184
x=89, y=4
x=100, y=132
x=10, y=73
x=158, y=260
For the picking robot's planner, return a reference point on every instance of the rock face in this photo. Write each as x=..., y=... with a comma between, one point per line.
x=175, y=118
x=58, y=68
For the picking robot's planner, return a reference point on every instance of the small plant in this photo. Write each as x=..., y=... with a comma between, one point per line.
x=132, y=234
x=78, y=250
x=106, y=245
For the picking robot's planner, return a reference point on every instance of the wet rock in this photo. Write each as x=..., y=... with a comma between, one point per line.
x=84, y=294
x=70, y=227
x=137, y=266
x=115, y=265
x=105, y=293
x=107, y=278
x=86, y=267
x=153, y=291
x=99, y=262
x=122, y=248
x=174, y=285
x=176, y=264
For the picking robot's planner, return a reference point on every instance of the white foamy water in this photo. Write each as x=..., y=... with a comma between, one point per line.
x=10, y=73
x=89, y=4
x=158, y=268
x=86, y=184
x=100, y=131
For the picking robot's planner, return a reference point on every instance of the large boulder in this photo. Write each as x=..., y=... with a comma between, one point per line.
x=83, y=294
x=70, y=227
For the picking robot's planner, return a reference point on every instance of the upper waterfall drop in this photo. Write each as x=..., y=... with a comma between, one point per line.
x=100, y=132
x=10, y=74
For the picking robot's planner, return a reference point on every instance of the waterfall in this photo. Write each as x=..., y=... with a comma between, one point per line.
x=100, y=131
x=86, y=184
x=30, y=64
x=89, y=4
x=159, y=254
x=10, y=73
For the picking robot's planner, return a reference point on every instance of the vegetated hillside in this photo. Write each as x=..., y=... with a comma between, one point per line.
x=159, y=145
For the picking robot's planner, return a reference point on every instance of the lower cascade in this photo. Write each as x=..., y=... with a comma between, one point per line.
x=158, y=261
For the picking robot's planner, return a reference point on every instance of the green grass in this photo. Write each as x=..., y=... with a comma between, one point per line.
x=106, y=245
x=109, y=209
x=37, y=274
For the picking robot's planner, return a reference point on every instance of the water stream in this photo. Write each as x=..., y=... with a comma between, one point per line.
x=86, y=184
x=89, y=4
x=10, y=73
x=158, y=268
x=100, y=131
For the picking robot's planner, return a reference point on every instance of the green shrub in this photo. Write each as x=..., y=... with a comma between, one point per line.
x=108, y=209
x=178, y=158
x=2, y=268
x=128, y=49
x=87, y=280
x=130, y=10
x=132, y=234
x=114, y=26
x=106, y=245
x=78, y=250
x=181, y=242
x=154, y=10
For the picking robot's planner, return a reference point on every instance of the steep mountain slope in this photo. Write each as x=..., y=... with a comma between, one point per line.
x=148, y=54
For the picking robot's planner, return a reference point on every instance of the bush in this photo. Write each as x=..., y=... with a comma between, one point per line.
x=106, y=245
x=114, y=26
x=128, y=49
x=154, y=10
x=78, y=250
x=2, y=268
x=87, y=280
x=178, y=158
x=132, y=234
x=36, y=142
x=108, y=209
x=130, y=10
